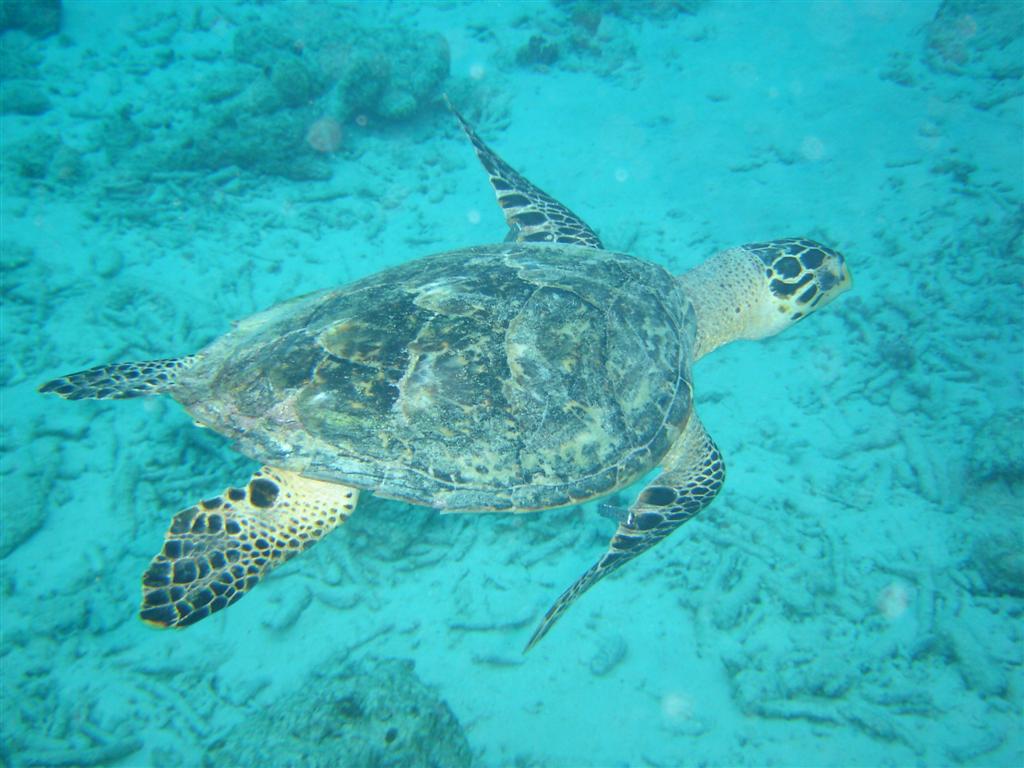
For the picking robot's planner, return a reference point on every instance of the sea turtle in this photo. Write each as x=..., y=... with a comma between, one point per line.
x=536, y=373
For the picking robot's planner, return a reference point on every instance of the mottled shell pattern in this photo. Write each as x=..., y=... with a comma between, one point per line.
x=507, y=377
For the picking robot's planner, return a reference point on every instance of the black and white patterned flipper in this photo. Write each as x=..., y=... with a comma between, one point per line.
x=533, y=215
x=215, y=552
x=693, y=474
x=120, y=381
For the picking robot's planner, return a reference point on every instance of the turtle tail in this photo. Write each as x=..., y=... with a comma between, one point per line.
x=120, y=381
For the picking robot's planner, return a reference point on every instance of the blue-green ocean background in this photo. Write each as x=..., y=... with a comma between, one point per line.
x=854, y=596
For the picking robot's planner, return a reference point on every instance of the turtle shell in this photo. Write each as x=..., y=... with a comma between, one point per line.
x=498, y=378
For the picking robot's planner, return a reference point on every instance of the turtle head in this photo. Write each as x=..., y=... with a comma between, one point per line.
x=800, y=276
x=759, y=289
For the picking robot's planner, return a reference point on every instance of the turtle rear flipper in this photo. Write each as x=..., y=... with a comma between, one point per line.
x=120, y=381
x=221, y=548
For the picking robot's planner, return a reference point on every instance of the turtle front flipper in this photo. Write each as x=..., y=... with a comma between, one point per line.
x=120, y=381
x=693, y=474
x=221, y=548
x=533, y=215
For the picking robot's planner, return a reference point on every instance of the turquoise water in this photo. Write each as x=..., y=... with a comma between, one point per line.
x=853, y=597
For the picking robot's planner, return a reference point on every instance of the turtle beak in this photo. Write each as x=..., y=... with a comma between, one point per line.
x=834, y=278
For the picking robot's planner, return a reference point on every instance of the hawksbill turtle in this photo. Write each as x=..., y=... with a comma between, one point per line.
x=536, y=373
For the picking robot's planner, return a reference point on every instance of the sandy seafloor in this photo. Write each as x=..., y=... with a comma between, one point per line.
x=853, y=598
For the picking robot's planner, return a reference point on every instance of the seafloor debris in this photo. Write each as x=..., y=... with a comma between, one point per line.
x=23, y=97
x=611, y=651
x=256, y=109
x=39, y=18
x=999, y=561
x=964, y=35
x=997, y=451
x=368, y=713
x=270, y=97
x=980, y=41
